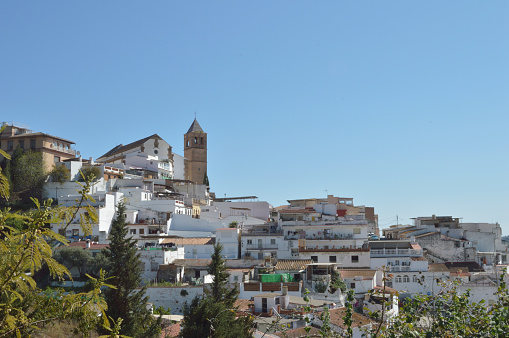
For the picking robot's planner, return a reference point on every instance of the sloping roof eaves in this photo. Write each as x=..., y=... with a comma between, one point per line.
x=292, y=264
x=40, y=134
x=121, y=148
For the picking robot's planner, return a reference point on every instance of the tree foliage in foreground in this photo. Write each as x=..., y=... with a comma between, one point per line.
x=450, y=313
x=24, y=250
x=215, y=314
x=125, y=301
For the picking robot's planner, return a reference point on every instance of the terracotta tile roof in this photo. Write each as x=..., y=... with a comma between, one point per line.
x=418, y=258
x=336, y=318
x=365, y=273
x=26, y=135
x=427, y=234
x=243, y=304
x=171, y=331
x=386, y=289
x=298, y=333
x=466, y=266
x=190, y=241
x=193, y=262
x=438, y=267
x=83, y=244
x=292, y=264
x=121, y=148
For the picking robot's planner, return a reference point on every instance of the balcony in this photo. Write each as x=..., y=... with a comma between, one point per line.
x=332, y=249
x=63, y=149
x=262, y=247
x=399, y=268
x=396, y=252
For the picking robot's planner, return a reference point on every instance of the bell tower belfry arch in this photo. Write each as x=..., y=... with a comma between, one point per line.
x=195, y=152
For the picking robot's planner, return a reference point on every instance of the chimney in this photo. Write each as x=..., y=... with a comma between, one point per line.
x=285, y=290
x=88, y=244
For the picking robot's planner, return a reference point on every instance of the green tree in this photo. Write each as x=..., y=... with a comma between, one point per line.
x=92, y=173
x=74, y=257
x=24, y=250
x=27, y=175
x=60, y=174
x=125, y=301
x=215, y=314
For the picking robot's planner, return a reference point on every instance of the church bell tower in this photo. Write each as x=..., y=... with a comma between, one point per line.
x=195, y=152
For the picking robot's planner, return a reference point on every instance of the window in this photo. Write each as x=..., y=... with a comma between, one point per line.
x=352, y=285
x=235, y=278
x=9, y=145
x=398, y=279
x=273, y=241
x=355, y=259
x=406, y=279
x=314, y=259
x=332, y=259
x=154, y=266
x=22, y=144
x=276, y=300
x=132, y=232
x=415, y=279
x=32, y=143
x=195, y=140
x=75, y=232
x=142, y=231
x=249, y=241
x=56, y=159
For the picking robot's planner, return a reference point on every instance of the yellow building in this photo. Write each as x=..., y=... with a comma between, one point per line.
x=54, y=149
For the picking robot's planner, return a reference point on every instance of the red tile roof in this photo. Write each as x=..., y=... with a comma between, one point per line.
x=190, y=241
x=336, y=318
x=171, y=331
x=298, y=333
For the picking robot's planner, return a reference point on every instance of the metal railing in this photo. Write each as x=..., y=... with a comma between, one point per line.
x=396, y=252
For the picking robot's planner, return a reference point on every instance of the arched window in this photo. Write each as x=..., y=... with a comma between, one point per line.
x=195, y=140
x=398, y=279
x=406, y=279
x=188, y=143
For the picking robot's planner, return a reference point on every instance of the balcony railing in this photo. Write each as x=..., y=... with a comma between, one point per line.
x=63, y=149
x=400, y=268
x=332, y=249
x=395, y=252
x=261, y=246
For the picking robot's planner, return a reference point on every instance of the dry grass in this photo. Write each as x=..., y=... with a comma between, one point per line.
x=61, y=329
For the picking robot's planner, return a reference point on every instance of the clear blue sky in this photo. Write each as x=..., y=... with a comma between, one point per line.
x=402, y=105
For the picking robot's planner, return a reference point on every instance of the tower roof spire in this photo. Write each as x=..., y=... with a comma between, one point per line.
x=195, y=127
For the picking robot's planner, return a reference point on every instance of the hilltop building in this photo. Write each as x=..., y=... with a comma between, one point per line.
x=54, y=149
x=195, y=152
